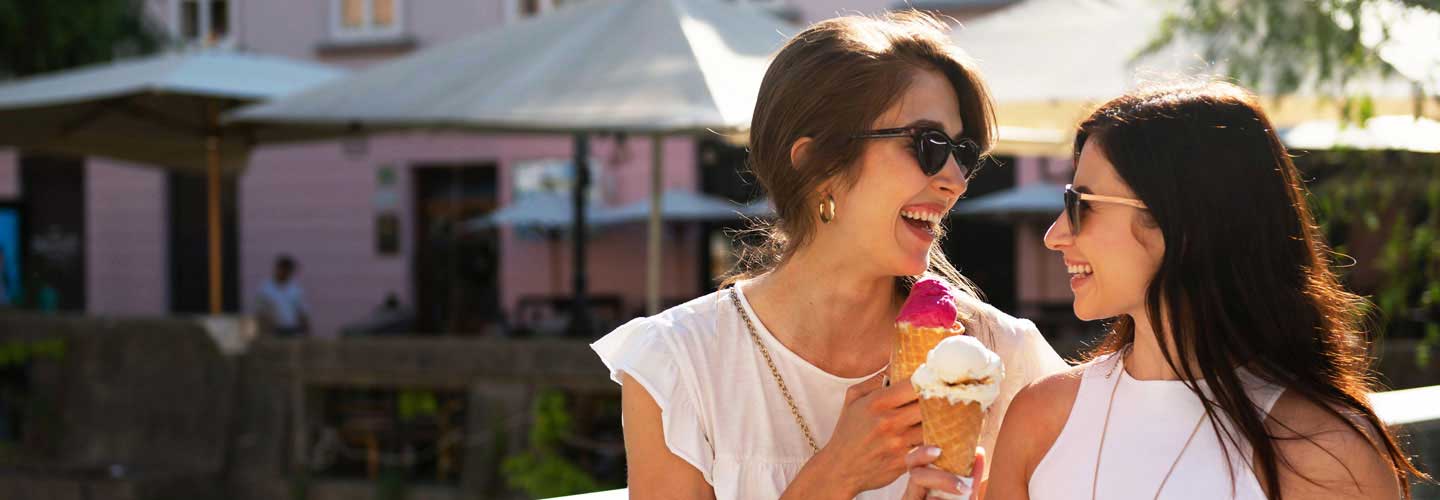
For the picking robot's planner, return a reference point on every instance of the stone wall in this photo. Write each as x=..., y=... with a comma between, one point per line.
x=159, y=399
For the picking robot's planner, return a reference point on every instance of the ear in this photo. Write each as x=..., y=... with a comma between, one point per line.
x=798, y=150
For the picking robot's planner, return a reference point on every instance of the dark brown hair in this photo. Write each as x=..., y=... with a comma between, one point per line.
x=1246, y=274
x=829, y=83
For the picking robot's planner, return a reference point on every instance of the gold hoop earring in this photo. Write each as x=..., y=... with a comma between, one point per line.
x=827, y=209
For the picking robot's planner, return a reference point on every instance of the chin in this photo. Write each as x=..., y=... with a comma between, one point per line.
x=914, y=268
x=1085, y=313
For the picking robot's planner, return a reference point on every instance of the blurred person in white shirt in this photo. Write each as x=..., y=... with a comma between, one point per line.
x=280, y=302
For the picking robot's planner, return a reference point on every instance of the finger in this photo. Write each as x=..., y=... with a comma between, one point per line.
x=921, y=456
x=898, y=394
x=908, y=415
x=915, y=436
x=914, y=492
x=862, y=389
x=936, y=479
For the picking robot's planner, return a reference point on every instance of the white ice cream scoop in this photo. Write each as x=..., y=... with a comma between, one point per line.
x=960, y=369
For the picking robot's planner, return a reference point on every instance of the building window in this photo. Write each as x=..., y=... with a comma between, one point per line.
x=203, y=23
x=352, y=19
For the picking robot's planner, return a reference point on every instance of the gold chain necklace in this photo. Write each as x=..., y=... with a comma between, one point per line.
x=1095, y=481
x=794, y=409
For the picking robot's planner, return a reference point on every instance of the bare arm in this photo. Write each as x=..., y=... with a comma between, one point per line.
x=1336, y=462
x=654, y=472
x=1032, y=424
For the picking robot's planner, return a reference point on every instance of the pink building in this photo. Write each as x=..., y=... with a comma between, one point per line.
x=360, y=216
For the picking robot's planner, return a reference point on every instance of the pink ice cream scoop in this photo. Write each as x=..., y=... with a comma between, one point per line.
x=931, y=305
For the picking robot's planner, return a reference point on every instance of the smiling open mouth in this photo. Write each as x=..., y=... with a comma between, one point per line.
x=929, y=223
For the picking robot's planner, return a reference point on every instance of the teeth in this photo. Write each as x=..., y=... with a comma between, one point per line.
x=933, y=218
x=1080, y=269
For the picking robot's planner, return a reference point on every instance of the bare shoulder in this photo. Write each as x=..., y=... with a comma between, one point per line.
x=1326, y=456
x=1032, y=424
x=1046, y=402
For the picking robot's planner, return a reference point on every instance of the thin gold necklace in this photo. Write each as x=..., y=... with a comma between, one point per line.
x=1095, y=481
x=794, y=409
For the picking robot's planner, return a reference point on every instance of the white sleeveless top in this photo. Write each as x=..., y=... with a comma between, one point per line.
x=1148, y=426
x=722, y=412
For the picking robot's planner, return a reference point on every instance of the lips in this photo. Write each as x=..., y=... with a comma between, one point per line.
x=922, y=219
x=1080, y=273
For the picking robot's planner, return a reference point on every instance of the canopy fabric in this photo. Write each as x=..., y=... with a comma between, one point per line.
x=1392, y=132
x=537, y=211
x=675, y=206
x=150, y=110
x=642, y=66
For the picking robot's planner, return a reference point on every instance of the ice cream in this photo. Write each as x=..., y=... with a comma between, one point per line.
x=929, y=315
x=957, y=384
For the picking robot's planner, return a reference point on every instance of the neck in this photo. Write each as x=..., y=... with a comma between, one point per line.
x=834, y=315
x=1145, y=360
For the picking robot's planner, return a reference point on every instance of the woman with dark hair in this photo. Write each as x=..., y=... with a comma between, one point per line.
x=866, y=131
x=1236, y=365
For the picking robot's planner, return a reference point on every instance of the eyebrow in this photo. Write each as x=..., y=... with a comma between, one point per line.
x=1081, y=189
x=928, y=123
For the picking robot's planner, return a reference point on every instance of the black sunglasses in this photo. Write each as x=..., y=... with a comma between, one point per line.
x=932, y=147
x=1073, y=199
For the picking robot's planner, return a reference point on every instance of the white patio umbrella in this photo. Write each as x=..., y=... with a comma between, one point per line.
x=159, y=110
x=550, y=214
x=1391, y=132
x=675, y=206
x=637, y=66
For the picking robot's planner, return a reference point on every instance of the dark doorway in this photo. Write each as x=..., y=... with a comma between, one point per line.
x=53, y=189
x=457, y=284
x=723, y=173
x=190, y=244
x=984, y=249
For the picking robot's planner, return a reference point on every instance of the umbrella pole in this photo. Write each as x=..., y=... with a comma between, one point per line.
x=653, y=255
x=579, y=320
x=212, y=173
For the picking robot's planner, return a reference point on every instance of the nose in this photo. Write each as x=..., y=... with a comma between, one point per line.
x=949, y=181
x=1059, y=236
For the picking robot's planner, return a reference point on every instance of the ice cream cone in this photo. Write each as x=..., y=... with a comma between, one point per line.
x=955, y=428
x=913, y=344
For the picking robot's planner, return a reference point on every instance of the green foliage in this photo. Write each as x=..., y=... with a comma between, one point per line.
x=1403, y=191
x=1281, y=46
x=415, y=404
x=37, y=36
x=18, y=352
x=541, y=471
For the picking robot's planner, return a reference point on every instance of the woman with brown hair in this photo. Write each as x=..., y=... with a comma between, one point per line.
x=866, y=131
x=1236, y=365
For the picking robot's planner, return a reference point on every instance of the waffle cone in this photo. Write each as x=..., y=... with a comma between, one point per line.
x=955, y=429
x=913, y=345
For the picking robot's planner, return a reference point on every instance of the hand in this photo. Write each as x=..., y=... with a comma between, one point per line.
x=878, y=426
x=925, y=480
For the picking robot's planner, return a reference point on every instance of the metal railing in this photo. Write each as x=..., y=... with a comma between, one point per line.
x=1415, y=411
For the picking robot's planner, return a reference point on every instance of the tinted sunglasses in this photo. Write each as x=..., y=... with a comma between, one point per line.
x=932, y=147
x=1074, y=198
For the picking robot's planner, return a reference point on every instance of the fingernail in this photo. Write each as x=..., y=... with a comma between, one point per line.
x=963, y=485
x=933, y=451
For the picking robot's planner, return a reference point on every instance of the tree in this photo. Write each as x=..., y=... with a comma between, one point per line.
x=37, y=36
x=1286, y=45
x=1283, y=46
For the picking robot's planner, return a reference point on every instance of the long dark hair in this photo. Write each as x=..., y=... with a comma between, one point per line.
x=830, y=82
x=1246, y=278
